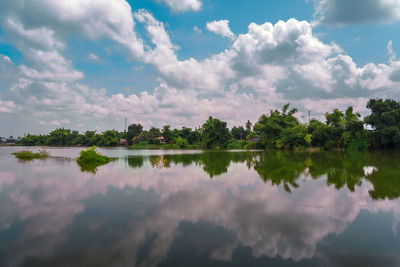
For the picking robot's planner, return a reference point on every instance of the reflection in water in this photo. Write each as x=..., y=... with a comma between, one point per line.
x=135, y=161
x=284, y=168
x=91, y=168
x=159, y=162
x=166, y=211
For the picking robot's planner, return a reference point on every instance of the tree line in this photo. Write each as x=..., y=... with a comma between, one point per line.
x=279, y=129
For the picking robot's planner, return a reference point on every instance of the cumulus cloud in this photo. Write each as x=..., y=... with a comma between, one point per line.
x=220, y=27
x=183, y=5
x=264, y=68
x=94, y=57
x=356, y=11
x=49, y=21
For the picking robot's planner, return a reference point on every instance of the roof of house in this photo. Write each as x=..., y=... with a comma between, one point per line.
x=160, y=138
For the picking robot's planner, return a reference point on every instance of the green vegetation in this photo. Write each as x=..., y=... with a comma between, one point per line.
x=280, y=129
x=90, y=159
x=29, y=155
x=215, y=134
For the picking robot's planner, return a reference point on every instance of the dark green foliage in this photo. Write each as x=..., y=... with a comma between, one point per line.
x=133, y=131
x=29, y=155
x=239, y=133
x=109, y=138
x=215, y=134
x=295, y=136
x=248, y=126
x=385, y=120
x=90, y=159
x=270, y=128
x=168, y=134
x=319, y=133
x=237, y=144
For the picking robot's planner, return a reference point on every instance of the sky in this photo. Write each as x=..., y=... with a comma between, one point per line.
x=89, y=64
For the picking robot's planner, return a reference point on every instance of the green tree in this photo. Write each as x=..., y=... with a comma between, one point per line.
x=168, y=134
x=354, y=135
x=336, y=127
x=215, y=133
x=385, y=120
x=133, y=131
x=319, y=132
x=295, y=136
x=239, y=133
x=248, y=126
x=58, y=137
x=181, y=142
x=109, y=138
x=270, y=127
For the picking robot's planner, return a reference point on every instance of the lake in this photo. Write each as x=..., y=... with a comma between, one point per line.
x=194, y=208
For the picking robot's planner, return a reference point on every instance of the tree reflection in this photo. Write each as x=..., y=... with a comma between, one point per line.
x=284, y=168
x=281, y=167
x=135, y=161
x=386, y=176
x=341, y=169
x=214, y=163
x=159, y=162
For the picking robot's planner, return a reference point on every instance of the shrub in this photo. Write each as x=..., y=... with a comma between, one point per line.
x=29, y=155
x=181, y=142
x=90, y=159
x=237, y=144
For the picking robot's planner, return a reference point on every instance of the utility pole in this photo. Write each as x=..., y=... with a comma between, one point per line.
x=125, y=127
x=309, y=116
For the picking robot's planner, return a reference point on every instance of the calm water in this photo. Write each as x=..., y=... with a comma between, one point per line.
x=187, y=208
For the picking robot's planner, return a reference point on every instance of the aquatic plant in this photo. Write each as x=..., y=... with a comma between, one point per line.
x=29, y=155
x=90, y=159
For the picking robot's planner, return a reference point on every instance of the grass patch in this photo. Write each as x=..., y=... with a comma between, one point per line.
x=29, y=155
x=90, y=159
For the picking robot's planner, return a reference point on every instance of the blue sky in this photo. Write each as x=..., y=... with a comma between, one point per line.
x=87, y=64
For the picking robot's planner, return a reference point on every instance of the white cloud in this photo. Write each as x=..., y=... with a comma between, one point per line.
x=184, y=5
x=7, y=106
x=391, y=53
x=94, y=57
x=268, y=66
x=220, y=27
x=197, y=30
x=356, y=11
x=110, y=19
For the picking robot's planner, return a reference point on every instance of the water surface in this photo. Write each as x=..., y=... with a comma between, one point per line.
x=193, y=208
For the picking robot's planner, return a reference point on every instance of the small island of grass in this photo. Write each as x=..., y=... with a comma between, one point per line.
x=90, y=159
x=29, y=155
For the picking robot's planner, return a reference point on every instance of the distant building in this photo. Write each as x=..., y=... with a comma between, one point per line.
x=161, y=140
x=254, y=139
x=123, y=142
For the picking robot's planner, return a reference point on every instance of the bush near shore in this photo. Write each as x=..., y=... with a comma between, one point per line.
x=29, y=155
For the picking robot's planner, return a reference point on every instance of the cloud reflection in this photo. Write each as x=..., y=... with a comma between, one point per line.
x=259, y=213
